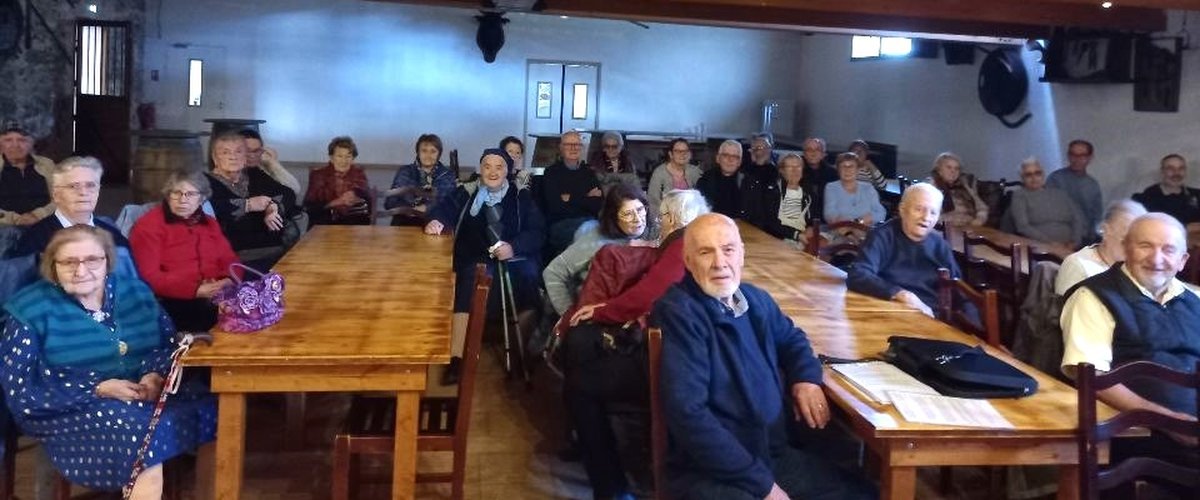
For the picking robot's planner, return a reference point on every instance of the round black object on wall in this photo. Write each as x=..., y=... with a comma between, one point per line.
x=1003, y=85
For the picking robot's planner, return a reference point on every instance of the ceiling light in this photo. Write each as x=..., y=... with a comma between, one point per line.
x=1106, y=5
x=92, y=8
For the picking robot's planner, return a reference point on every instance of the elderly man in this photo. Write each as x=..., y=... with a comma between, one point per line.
x=762, y=160
x=75, y=188
x=817, y=174
x=1135, y=311
x=899, y=260
x=730, y=190
x=570, y=194
x=1171, y=195
x=24, y=199
x=1046, y=213
x=729, y=357
x=1079, y=186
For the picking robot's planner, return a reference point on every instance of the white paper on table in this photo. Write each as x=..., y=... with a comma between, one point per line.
x=876, y=379
x=943, y=410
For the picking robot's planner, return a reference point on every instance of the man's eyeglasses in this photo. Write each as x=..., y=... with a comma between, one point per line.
x=1033, y=174
x=632, y=215
x=176, y=194
x=92, y=262
x=85, y=187
x=572, y=145
x=728, y=155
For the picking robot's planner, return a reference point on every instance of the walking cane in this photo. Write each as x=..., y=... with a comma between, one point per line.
x=502, y=270
x=508, y=295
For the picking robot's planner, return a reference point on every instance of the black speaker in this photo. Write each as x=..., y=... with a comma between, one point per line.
x=959, y=53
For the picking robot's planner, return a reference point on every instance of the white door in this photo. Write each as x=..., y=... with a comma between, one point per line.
x=195, y=87
x=559, y=96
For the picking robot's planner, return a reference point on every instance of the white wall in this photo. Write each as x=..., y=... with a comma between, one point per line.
x=925, y=107
x=385, y=73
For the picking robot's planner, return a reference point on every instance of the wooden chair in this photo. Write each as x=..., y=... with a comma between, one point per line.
x=1093, y=479
x=985, y=301
x=1038, y=255
x=444, y=422
x=658, y=429
x=1008, y=283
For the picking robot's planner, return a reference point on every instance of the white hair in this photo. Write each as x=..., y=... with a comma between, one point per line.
x=613, y=136
x=62, y=167
x=684, y=205
x=926, y=188
x=1123, y=207
x=732, y=144
x=1032, y=160
x=1180, y=235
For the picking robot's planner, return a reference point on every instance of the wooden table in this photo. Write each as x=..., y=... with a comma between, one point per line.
x=955, y=235
x=849, y=325
x=368, y=309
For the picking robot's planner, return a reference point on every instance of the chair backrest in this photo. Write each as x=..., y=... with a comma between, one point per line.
x=1091, y=433
x=471, y=349
x=850, y=235
x=658, y=429
x=980, y=273
x=984, y=300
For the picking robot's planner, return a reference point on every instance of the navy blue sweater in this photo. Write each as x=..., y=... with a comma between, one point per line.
x=724, y=384
x=889, y=261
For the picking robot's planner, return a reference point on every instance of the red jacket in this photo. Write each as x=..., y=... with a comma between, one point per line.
x=636, y=301
x=174, y=257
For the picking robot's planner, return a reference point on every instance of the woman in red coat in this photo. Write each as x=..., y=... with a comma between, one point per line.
x=338, y=192
x=182, y=254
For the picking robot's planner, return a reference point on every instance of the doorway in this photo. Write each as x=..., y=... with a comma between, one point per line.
x=103, y=53
x=559, y=96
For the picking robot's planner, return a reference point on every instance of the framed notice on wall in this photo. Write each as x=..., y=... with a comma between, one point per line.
x=544, y=90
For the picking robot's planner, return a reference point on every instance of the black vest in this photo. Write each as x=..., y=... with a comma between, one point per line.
x=1167, y=334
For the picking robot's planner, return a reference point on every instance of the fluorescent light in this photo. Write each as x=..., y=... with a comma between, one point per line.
x=92, y=8
x=864, y=46
x=1106, y=5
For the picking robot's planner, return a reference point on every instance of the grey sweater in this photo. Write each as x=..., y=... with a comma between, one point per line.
x=1047, y=215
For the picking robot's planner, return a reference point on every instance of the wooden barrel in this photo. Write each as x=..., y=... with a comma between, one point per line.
x=160, y=152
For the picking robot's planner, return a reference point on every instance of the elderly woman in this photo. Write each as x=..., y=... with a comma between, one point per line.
x=622, y=219
x=612, y=164
x=1044, y=213
x=961, y=205
x=596, y=378
x=677, y=173
x=848, y=198
x=787, y=215
x=251, y=207
x=181, y=253
x=85, y=354
x=1097, y=258
x=867, y=171
x=493, y=223
x=337, y=193
x=421, y=186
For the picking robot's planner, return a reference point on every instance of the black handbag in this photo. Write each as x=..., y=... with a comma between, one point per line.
x=958, y=370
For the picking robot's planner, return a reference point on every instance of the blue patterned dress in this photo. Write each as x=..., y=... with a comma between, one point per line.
x=93, y=441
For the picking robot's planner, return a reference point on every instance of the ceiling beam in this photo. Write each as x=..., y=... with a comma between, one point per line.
x=1192, y=5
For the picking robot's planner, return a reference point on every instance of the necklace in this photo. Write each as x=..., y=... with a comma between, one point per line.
x=1103, y=258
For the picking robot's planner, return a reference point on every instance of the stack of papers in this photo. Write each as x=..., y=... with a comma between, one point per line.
x=876, y=379
x=942, y=410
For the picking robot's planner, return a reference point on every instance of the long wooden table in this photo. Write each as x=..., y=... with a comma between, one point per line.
x=848, y=325
x=368, y=309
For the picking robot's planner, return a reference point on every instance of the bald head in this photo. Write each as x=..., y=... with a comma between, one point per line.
x=1155, y=251
x=714, y=254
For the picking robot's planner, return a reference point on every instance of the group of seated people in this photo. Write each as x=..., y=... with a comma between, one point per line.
x=611, y=260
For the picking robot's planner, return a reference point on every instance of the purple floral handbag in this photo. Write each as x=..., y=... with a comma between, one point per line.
x=249, y=305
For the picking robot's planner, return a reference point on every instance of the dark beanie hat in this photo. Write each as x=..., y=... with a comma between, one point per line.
x=508, y=162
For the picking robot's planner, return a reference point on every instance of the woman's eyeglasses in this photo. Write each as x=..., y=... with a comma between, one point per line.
x=183, y=195
x=632, y=215
x=92, y=262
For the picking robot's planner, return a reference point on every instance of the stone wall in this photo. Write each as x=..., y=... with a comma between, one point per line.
x=37, y=84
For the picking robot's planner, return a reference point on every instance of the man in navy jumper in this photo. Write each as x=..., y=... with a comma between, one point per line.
x=730, y=361
x=570, y=194
x=899, y=260
x=1138, y=310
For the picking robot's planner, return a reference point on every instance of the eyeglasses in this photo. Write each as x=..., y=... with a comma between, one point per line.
x=572, y=145
x=728, y=155
x=681, y=151
x=176, y=194
x=636, y=214
x=612, y=146
x=85, y=187
x=92, y=262
x=758, y=148
x=1033, y=174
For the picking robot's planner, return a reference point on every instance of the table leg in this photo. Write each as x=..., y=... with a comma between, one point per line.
x=1068, y=482
x=898, y=483
x=231, y=441
x=294, y=421
x=404, y=471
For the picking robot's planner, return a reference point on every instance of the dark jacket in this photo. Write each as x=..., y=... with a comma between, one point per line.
x=768, y=219
x=713, y=405
x=441, y=186
x=737, y=198
x=247, y=230
x=814, y=181
x=889, y=261
x=524, y=227
x=36, y=237
x=559, y=181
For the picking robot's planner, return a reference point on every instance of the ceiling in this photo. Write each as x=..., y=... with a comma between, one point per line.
x=987, y=18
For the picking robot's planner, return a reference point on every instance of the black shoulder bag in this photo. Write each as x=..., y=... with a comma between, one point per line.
x=958, y=370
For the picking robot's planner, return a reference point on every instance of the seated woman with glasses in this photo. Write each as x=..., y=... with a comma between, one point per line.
x=337, y=192
x=255, y=211
x=611, y=162
x=419, y=188
x=74, y=189
x=85, y=354
x=494, y=223
x=677, y=173
x=622, y=220
x=182, y=254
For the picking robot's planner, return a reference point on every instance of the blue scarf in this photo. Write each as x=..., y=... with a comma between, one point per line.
x=488, y=197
